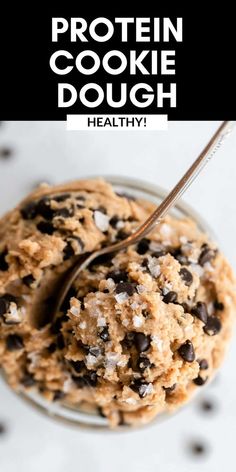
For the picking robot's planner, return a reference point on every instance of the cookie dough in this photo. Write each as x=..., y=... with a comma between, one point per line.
x=139, y=331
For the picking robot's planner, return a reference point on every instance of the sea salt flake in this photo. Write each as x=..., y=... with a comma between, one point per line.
x=101, y=322
x=154, y=246
x=157, y=342
x=67, y=385
x=134, y=305
x=75, y=310
x=210, y=308
x=183, y=239
x=197, y=269
x=167, y=242
x=154, y=267
x=101, y=220
x=121, y=297
x=208, y=267
x=165, y=290
x=137, y=321
x=145, y=389
x=165, y=230
x=120, y=224
x=90, y=360
x=110, y=284
x=14, y=315
x=141, y=289
x=83, y=325
x=122, y=362
x=168, y=287
x=130, y=401
x=112, y=359
x=125, y=323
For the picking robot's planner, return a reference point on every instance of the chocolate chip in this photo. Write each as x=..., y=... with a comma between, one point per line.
x=177, y=254
x=61, y=198
x=114, y=220
x=60, y=341
x=28, y=280
x=91, y=378
x=63, y=212
x=128, y=340
x=14, y=342
x=169, y=390
x=79, y=381
x=143, y=363
x=80, y=197
x=142, y=342
x=95, y=351
x=104, y=335
x=186, y=307
x=58, y=395
x=3, y=429
x=218, y=305
x=117, y=276
x=200, y=311
x=68, y=251
x=198, y=448
x=28, y=380
x=126, y=287
x=5, y=152
x=145, y=263
x=183, y=260
x=203, y=364
x=5, y=301
x=44, y=208
x=206, y=255
x=45, y=227
x=160, y=253
x=186, y=276
x=3, y=263
x=57, y=324
x=186, y=351
x=4, y=305
x=66, y=302
x=139, y=386
x=78, y=366
x=84, y=347
x=121, y=235
x=104, y=259
x=52, y=348
x=29, y=211
x=143, y=246
x=100, y=412
x=79, y=241
x=213, y=326
x=200, y=381
x=170, y=297
x=207, y=406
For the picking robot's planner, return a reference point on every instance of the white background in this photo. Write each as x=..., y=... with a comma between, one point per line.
x=44, y=151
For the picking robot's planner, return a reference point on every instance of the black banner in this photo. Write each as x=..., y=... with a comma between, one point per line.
x=200, y=52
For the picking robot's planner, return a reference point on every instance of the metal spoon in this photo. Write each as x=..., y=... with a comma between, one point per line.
x=155, y=218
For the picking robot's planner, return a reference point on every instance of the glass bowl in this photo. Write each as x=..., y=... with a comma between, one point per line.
x=77, y=416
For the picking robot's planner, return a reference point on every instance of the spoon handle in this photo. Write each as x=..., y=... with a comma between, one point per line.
x=207, y=153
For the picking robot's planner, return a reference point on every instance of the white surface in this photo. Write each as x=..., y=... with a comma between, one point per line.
x=45, y=151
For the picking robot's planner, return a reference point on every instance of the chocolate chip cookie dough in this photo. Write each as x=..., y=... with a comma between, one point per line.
x=139, y=331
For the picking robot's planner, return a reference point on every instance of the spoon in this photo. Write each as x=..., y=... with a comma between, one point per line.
x=154, y=219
